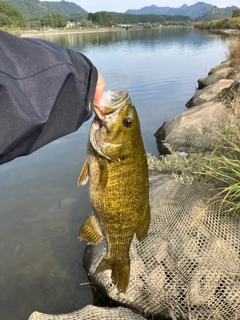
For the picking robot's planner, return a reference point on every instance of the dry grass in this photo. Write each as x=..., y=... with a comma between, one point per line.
x=223, y=168
x=234, y=52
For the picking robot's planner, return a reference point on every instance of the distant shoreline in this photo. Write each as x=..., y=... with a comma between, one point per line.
x=36, y=33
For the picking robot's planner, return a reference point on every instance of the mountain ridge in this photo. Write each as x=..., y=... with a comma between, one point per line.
x=216, y=13
x=193, y=11
x=197, y=11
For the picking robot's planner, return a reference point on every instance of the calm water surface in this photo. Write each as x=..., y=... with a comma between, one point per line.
x=42, y=208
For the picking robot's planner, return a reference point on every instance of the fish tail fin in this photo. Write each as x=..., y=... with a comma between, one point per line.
x=120, y=271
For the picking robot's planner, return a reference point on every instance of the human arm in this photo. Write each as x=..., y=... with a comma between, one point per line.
x=46, y=92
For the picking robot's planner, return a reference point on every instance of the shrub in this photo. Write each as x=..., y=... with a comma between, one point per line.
x=233, y=52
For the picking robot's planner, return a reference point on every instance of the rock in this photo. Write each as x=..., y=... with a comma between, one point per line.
x=209, y=93
x=192, y=128
x=67, y=202
x=218, y=98
x=219, y=74
x=17, y=249
x=225, y=64
x=30, y=220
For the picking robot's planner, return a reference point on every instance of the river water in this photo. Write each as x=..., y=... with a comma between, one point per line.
x=42, y=208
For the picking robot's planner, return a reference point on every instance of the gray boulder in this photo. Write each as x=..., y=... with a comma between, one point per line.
x=213, y=105
x=225, y=64
x=219, y=74
x=195, y=127
x=209, y=93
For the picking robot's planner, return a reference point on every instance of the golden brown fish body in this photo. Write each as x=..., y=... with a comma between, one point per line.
x=118, y=174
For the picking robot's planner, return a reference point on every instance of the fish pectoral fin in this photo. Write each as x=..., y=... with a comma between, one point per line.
x=143, y=226
x=84, y=176
x=90, y=231
x=103, y=166
x=120, y=271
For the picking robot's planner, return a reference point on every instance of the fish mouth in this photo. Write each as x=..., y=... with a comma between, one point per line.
x=109, y=103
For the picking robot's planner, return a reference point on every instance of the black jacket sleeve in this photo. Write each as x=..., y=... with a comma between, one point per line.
x=46, y=92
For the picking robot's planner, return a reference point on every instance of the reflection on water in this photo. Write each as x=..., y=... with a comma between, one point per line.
x=151, y=38
x=41, y=206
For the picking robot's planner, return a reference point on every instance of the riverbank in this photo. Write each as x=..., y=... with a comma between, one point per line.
x=36, y=33
x=231, y=32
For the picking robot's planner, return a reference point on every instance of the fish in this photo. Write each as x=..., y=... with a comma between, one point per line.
x=117, y=171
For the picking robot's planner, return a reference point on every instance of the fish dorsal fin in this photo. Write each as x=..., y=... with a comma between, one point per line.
x=103, y=166
x=84, y=176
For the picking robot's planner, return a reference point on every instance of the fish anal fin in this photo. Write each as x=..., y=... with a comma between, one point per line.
x=90, y=231
x=120, y=271
x=143, y=226
x=84, y=176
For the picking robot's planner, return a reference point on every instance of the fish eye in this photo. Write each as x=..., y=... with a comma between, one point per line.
x=128, y=122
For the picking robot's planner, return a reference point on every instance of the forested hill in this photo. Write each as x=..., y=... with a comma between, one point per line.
x=33, y=8
x=66, y=7
x=10, y=16
x=125, y=18
x=216, y=13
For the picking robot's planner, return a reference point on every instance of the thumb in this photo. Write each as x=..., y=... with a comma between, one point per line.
x=100, y=87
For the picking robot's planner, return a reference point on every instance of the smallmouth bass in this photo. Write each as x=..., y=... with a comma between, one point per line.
x=117, y=170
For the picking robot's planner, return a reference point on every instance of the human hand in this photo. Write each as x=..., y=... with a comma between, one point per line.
x=100, y=87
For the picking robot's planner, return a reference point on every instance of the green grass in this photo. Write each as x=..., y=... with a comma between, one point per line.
x=221, y=167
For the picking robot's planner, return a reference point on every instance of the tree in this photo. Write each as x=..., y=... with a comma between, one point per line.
x=53, y=21
x=101, y=18
x=85, y=23
x=236, y=13
x=61, y=21
x=10, y=16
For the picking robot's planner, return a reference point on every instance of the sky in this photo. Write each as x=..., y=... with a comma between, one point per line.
x=123, y=5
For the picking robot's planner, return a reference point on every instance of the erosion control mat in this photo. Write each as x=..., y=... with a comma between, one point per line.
x=188, y=267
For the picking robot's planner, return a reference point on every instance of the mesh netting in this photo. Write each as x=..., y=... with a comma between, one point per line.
x=189, y=265
x=90, y=313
